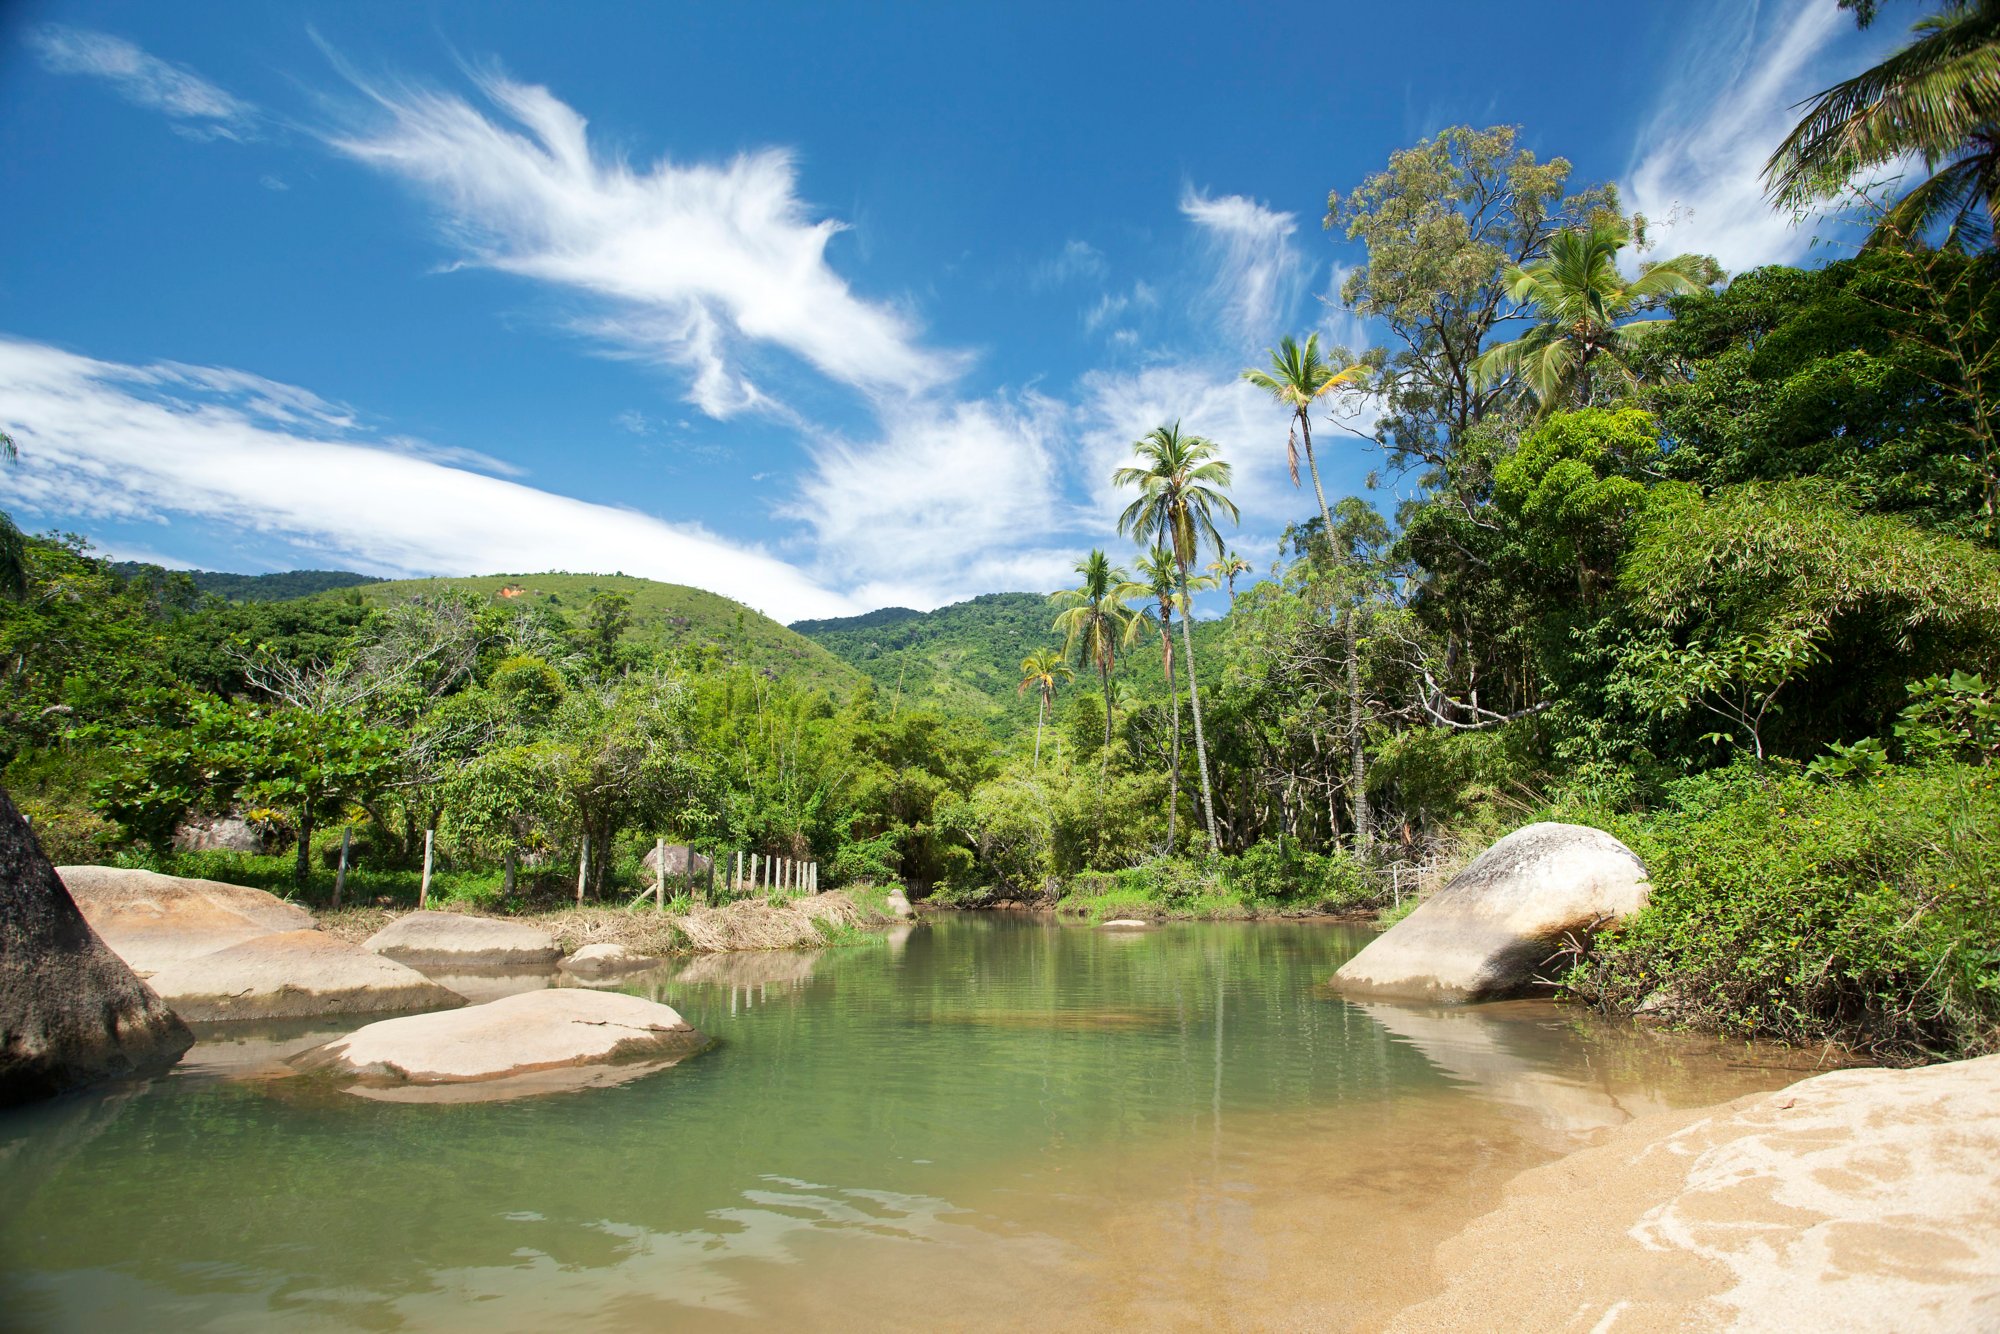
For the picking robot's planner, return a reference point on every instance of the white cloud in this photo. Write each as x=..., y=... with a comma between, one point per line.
x=1697, y=170
x=1078, y=260
x=198, y=107
x=165, y=442
x=692, y=262
x=1258, y=271
x=946, y=503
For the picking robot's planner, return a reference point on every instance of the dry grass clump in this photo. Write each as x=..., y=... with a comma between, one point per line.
x=753, y=924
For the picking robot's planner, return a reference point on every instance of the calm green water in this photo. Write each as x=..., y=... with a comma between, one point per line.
x=961, y=1123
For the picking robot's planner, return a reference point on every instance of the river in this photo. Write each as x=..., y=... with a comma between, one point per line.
x=983, y=1121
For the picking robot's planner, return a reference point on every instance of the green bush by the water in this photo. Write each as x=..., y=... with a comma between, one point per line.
x=1855, y=912
x=1264, y=880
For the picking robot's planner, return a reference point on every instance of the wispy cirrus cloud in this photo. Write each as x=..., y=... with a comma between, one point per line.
x=1259, y=273
x=170, y=442
x=1697, y=169
x=695, y=264
x=197, y=107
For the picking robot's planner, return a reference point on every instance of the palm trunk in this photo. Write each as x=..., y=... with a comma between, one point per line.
x=1194, y=703
x=1364, y=822
x=1041, y=717
x=1312, y=466
x=1104, y=674
x=1174, y=748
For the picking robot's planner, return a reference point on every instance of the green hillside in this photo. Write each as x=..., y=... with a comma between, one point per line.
x=963, y=659
x=280, y=587
x=669, y=614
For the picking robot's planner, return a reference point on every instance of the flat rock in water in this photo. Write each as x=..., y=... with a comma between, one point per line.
x=1123, y=924
x=295, y=975
x=71, y=1011
x=450, y=939
x=606, y=957
x=1857, y=1200
x=538, y=1041
x=1493, y=929
x=154, y=921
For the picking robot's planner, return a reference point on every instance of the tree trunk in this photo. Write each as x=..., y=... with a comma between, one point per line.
x=1194, y=703
x=1312, y=466
x=1364, y=826
x=302, y=872
x=1041, y=716
x=1174, y=748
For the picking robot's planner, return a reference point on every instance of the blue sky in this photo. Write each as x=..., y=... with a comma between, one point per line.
x=823, y=308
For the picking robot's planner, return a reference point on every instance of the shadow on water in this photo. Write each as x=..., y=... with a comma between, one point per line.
x=1012, y=1104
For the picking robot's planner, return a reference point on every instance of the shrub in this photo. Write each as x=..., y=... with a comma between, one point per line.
x=1294, y=874
x=1858, y=913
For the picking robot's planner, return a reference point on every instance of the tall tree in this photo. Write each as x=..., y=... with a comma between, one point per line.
x=1298, y=378
x=1225, y=568
x=1092, y=622
x=1161, y=579
x=1938, y=99
x=1442, y=223
x=1042, y=671
x=1181, y=482
x=1587, y=315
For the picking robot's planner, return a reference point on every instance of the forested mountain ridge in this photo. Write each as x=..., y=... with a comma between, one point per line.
x=281, y=586
x=964, y=659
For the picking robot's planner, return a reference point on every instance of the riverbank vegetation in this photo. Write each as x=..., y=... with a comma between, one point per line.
x=1710, y=560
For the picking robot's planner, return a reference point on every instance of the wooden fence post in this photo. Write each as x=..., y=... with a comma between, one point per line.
x=660, y=874
x=708, y=894
x=340, y=876
x=736, y=876
x=423, y=890
x=582, y=868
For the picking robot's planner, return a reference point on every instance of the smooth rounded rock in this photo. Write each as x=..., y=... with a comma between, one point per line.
x=71, y=1011
x=460, y=940
x=608, y=957
x=899, y=903
x=295, y=975
x=1493, y=930
x=154, y=921
x=516, y=1041
x=1123, y=924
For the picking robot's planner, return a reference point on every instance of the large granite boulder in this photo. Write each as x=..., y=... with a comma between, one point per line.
x=1490, y=932
x=154, y=921
x=899, y=903
x=220, y=833
x=538, y=1041
x=453, y=940
x=71, y=1011
x=295, y=975
x=681, y=861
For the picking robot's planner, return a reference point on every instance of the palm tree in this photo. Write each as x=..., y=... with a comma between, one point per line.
x=1180, y=490
x=1584, y=309
x=1225, y=568
x=1298, y=378
x=13, y=546
x=1094, y=618
x=1161, y=579
x=1043, y=669
x=1937, y=98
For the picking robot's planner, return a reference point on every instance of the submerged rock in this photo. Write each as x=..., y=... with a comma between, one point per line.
x=535, y=1042
x=458, y=940
x=295, y=975
x=154, y=921
x=71, y=1011
x=1858, y=1200
x=1123, y=924
x=608, y=958
x=1489, y=932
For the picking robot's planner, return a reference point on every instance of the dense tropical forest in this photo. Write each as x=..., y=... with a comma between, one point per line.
x=1710, y=560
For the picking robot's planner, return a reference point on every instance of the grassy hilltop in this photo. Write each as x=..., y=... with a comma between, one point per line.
x=665, y=614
